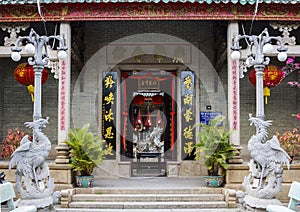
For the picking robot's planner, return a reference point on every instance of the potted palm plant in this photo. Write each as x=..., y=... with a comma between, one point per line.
x=86, y=151
x=214, y=149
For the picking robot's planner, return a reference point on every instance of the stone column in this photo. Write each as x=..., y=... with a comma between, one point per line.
x=62, y=150
x=260, y=111
x=233, y=92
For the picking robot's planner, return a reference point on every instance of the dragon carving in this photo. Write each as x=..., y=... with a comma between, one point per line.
x=152, y=141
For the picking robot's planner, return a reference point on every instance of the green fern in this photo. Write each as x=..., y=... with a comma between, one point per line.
x=213, y=146
x=86, y=150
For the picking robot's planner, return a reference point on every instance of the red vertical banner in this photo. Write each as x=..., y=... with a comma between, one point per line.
x=62, y=105
x=173, y=115
x=235, y=95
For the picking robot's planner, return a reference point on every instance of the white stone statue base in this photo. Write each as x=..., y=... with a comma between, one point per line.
x=255, y=204
x=42, y=203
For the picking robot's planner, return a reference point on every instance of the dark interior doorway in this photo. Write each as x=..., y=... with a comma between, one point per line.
x=148, y=120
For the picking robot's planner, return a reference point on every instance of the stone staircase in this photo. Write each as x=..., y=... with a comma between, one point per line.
x=142, y=199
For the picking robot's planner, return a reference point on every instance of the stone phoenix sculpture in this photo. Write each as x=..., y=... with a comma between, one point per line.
x=33, y=179
x=265, y=168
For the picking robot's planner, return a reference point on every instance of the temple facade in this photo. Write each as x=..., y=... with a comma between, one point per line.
x=143, y=74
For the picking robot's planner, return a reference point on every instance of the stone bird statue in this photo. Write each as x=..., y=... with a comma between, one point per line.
x=265, y=153
x=29, y=158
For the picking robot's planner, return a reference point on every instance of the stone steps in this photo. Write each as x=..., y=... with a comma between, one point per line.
x=98, y=190
x=116, y=199
x=149, y=205
x=146, y=197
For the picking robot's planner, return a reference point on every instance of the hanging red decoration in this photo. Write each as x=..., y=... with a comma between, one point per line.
x=148, y=123
x=158, y=99
x=272, y=78
x=158, y=119
x=138, y=123
x=24, y=74
x=139, y=99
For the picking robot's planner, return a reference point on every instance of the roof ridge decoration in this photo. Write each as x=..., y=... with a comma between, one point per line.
x=146, y=11
x=243, y=2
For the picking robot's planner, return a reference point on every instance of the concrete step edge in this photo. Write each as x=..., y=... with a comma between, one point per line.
x=59, y=209
x=147, y=197
x=99, y=190
x=148, y=205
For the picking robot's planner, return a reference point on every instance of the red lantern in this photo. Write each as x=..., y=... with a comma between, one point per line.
x=24, y=74
x=139, y=99
x=158, y=99
x=272, y=78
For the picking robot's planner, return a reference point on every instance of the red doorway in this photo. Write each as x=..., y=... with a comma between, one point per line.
x=148, y=123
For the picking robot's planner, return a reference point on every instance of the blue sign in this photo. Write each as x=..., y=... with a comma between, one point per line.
x=205, y=117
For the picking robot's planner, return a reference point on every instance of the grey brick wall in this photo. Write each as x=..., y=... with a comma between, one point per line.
x=17, y=107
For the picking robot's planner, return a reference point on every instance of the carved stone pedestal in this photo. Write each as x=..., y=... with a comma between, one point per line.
x=251, y=203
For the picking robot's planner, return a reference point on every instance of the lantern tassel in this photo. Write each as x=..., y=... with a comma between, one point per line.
x=267, y=93
x=30, y=89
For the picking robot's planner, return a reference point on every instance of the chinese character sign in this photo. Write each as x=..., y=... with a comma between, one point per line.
x=109, y=87
x=187, y=114
x=205, y=117
x=235, y=95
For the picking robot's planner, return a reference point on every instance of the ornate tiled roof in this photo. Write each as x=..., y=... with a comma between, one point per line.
x=243, y=2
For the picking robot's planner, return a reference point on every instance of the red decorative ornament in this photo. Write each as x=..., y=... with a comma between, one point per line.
x=158, y=119
x=272, y=78
x=139, y=99
x=24, y=74
x=148, y=123
x=158, y=99
x=138, y=123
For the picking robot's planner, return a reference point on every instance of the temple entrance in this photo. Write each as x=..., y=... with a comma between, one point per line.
x=148, y=121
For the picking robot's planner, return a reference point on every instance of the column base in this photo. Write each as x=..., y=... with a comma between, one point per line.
x=62, y=154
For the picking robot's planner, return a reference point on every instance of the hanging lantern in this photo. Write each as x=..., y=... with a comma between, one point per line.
x=158, y=99
x=272, y=78
x=24, y=74
x=139, y=99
